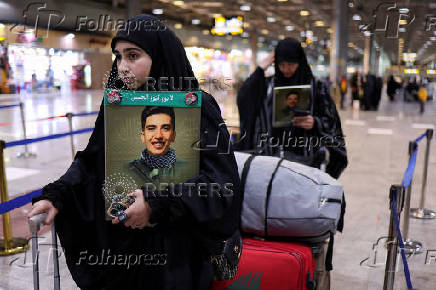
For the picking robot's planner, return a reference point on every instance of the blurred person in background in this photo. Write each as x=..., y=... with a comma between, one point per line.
x=392, y=88
x=343, y=86
x=255, y=99
x=422, y=98
x=356, y=84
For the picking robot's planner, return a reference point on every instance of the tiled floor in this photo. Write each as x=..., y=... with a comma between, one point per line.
x=377, y=144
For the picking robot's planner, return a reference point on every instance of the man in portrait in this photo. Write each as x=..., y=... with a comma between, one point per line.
x=158, y=159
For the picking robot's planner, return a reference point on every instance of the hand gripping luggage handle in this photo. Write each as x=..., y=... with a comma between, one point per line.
x=36, y=222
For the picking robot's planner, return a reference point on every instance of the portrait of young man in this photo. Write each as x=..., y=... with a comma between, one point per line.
x=158, y=159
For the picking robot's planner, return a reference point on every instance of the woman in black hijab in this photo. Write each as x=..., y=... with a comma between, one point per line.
x=255, y=100
x=170, y=255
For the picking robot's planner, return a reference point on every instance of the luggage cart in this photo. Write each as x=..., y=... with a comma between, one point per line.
x=35, y=224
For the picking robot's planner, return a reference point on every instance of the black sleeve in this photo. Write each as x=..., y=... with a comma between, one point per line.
x=83, y=177
x=249, y=101
x=328, y=126
x=211, y=196
x=71, y=193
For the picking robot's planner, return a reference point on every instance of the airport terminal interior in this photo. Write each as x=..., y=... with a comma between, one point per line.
x=377, y=61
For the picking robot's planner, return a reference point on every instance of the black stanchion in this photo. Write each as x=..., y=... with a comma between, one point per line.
x=396, y=192
x=410, y=246
x=422, y=212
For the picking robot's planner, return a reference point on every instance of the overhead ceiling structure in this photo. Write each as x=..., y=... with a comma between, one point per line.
x=415, y=25
x=411, y=22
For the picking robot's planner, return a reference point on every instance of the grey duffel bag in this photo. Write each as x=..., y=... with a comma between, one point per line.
x=287, y=199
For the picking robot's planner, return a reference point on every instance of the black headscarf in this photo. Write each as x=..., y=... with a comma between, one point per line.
x=290, y=50
x=164, y=48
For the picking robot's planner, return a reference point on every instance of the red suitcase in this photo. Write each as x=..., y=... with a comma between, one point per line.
x=270, y=265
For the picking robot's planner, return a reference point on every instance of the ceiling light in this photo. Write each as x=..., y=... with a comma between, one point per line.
x=264, y=31
x=351, y=4
x=367, y=33
x=261, y=39
x=205, y=32
x=259, y=44
x=289, y=27
x=282, y=0
x=195, y=21
x=403, y=22
x=217, y=15
x=245, y=34
x=270, y=19
x=281, y=36
x=403, y=10
x=304, y=13
x=246, y=25
x=356, y=17
x=70, y=36
x=245, y=8
x=178, y=3
x=157, y=11
x=432, y=38
x=178, y=26
x=319, y=23
x=329, y=30
x=402, y=29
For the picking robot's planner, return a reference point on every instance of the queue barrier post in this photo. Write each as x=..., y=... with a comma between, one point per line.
x=396, y=191
x=26, y=153
x=422, y=212
x=410, y=246
x=8, y=244
x=70, y=125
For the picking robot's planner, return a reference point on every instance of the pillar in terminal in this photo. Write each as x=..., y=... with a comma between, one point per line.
x=133, y=8
x=339, y=41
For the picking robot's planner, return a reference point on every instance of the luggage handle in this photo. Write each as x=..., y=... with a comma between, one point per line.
x=36, y=222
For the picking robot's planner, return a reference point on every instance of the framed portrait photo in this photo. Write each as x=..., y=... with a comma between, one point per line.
x=289, y=102
x=150, y=140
